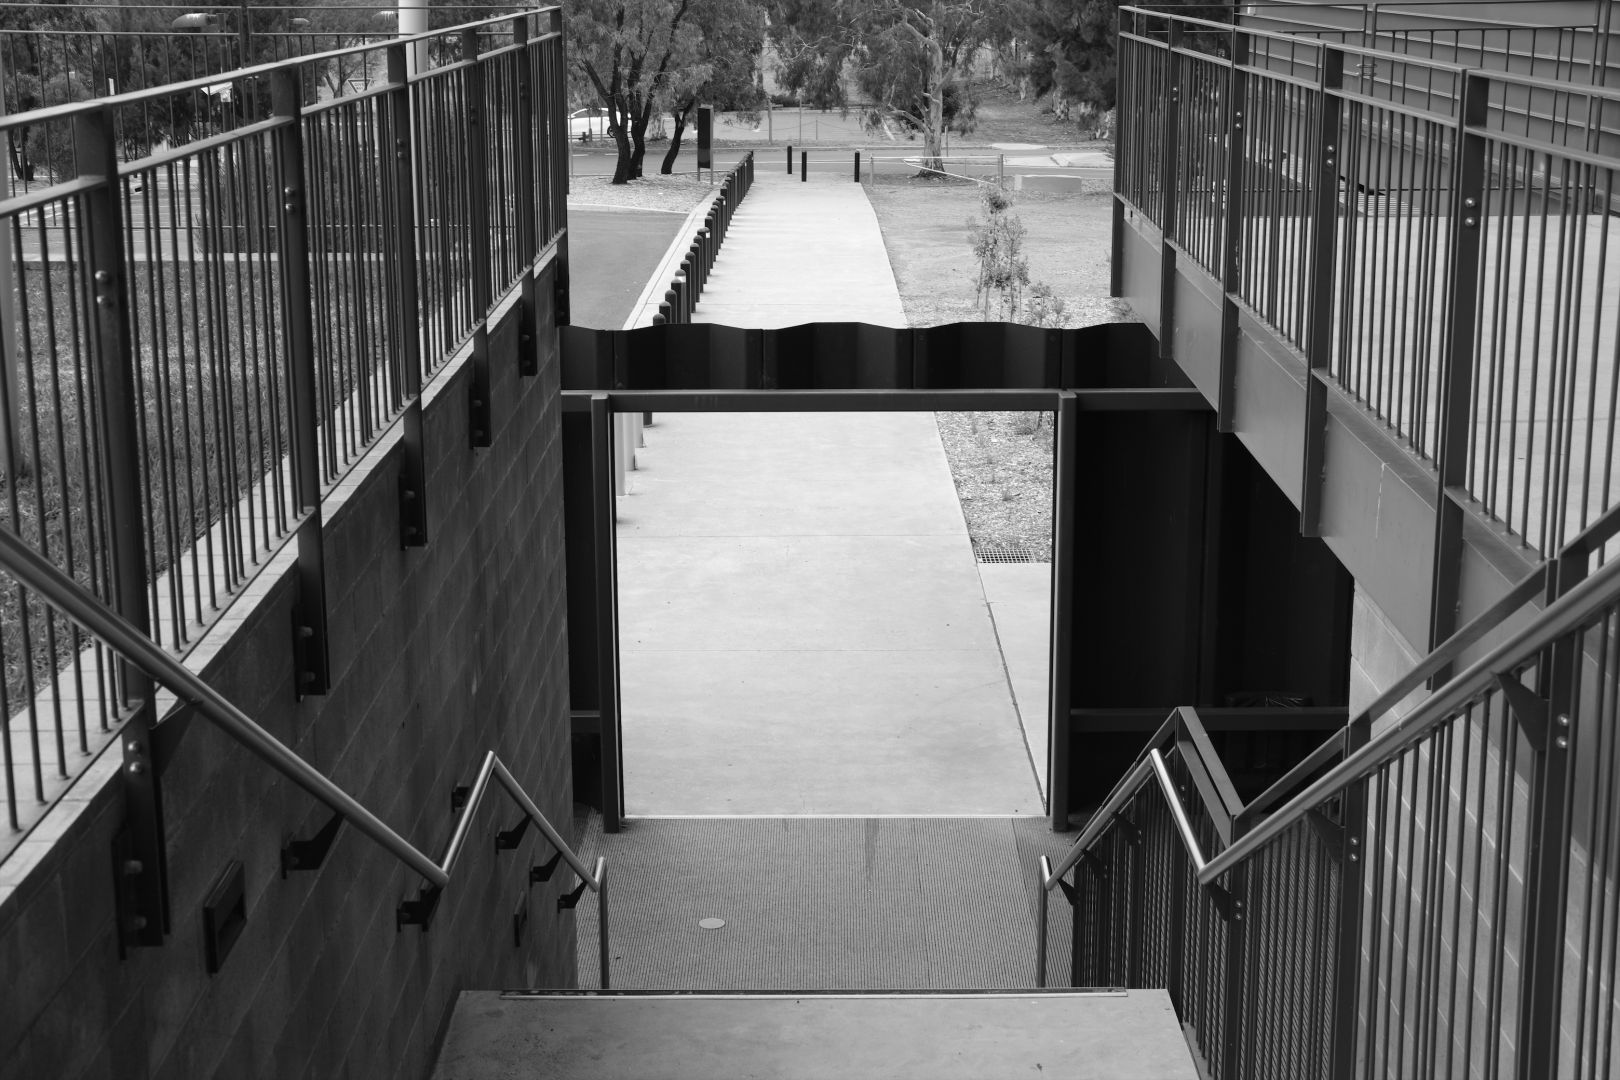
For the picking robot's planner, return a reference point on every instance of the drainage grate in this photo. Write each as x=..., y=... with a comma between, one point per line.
x=1003, y=554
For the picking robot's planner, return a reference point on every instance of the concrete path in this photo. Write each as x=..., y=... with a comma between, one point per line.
x=803, y=629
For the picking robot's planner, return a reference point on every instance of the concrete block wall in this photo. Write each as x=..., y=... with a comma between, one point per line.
x=439, y=655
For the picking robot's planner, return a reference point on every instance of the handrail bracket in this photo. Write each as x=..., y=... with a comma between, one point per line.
x=418, y=912
x=508, y=839
x=310, y=854
x=539, y=875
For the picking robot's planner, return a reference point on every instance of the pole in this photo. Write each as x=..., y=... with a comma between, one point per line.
x=8, y=301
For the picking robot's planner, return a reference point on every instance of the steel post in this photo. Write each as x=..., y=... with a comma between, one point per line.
x=140, y=859
x=1551, y=831
x=309, y=616
x=528, y=229
x=1457, y=375
x=1169, y=172
x=413, y=530
x=1231, y=228
x=607, y=639
x=1066, y=475
x=480, y=415
x=1324, y=234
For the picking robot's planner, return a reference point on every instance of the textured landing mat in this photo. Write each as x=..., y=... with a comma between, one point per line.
x=824, y=904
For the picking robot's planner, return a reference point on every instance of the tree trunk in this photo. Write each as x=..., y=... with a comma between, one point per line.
x=675, y=141
x=622, y=171
x=934, y=131
x=638, y=141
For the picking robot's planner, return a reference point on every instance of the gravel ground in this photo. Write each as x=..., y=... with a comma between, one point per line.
x=675, y=193
x=1002, y=462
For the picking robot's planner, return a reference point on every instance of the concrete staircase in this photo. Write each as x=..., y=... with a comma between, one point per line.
x=564, y=1035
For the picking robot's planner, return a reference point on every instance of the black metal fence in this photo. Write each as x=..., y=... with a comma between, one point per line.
x=1439, y=240
x=1430, y=893
x=207, y=338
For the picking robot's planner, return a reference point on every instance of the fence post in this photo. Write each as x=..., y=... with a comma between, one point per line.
x=1324, y=236
x=309, y=616
x=413, y=530
x=480, y=421
x=528, y=238
x=1462, y=304
x=1551, y=828
x=140, y=858
x=1352, y=896
x=1237, y=88
x=1169, y=176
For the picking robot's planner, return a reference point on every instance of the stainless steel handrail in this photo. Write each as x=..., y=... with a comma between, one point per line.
x=1561, y=617
x=1152, y=764
x=62, y=592
x=1564, y=615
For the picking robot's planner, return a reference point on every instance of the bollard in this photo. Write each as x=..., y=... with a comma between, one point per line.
x=669, y=306
x=857, y=166
x=804, y=166
x=790, y=159
x=659, y=318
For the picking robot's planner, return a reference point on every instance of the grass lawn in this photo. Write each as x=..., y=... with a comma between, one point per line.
x=1002, y=462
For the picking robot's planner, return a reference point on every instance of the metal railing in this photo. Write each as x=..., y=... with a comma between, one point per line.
x=1428, y=893
x=1437, y=240
x=127, y=641
x=208, y=336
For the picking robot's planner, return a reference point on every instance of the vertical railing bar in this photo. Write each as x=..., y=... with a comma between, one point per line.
x=476, y=133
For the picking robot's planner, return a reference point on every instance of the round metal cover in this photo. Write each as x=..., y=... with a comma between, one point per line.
x=711, y=924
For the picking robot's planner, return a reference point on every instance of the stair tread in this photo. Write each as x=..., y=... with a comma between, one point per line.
x=938, y=1036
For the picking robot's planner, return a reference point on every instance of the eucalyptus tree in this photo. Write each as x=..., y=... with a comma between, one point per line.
x=910, y=59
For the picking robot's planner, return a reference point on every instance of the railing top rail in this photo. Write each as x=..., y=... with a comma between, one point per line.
x=62, y=592
x=69, y=110
x=1425, y=12
x=1563, y=616
x=1369, y=52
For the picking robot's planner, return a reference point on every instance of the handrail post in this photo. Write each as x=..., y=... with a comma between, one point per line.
x=1043, y=872
x=413, y=518
x=603, y=947
x=1323, y=296
x=310, y=645
x=480, y=410
x=142, y=882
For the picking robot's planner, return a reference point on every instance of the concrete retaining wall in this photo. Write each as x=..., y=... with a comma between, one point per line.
x=438, y=654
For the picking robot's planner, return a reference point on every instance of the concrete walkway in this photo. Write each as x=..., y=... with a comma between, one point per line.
x=803, y=629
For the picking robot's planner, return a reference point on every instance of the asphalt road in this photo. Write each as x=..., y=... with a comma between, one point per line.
x=611, y=254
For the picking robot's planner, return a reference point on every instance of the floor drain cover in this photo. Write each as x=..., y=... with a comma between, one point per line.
x=711, y=924
x=1004, y=555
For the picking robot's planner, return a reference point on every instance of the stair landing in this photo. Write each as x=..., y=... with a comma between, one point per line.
x=567, y=1035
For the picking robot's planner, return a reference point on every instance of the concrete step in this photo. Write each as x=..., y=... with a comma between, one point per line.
x=676, y=1036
